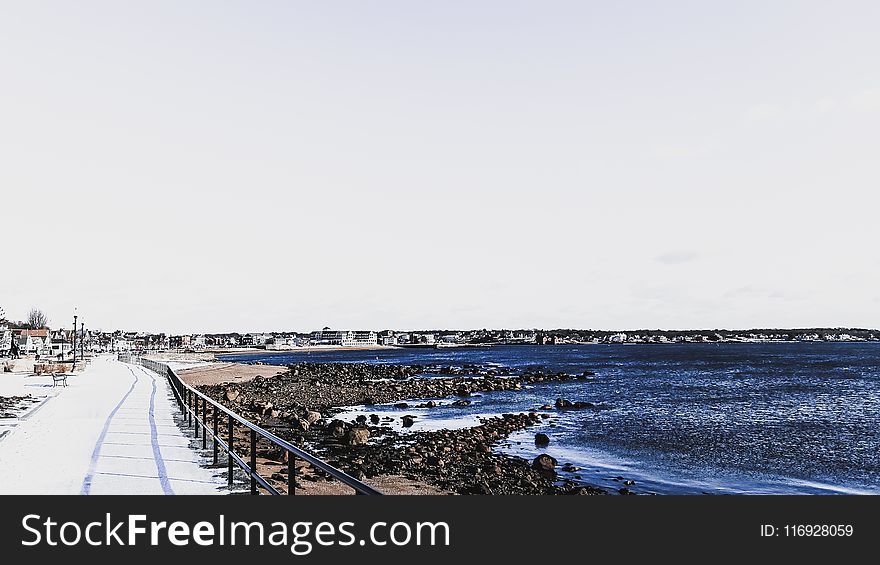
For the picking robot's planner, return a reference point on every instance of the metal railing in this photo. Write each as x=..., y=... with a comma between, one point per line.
x=192, y=401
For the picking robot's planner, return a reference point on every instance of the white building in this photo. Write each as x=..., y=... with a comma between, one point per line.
x=617, y=338
x=5, y=340
x=344, y=338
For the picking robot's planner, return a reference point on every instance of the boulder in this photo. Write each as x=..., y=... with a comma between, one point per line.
x=270, y=421
x=541, y=439
x=408, y=421
x=337, y=428
x=563, y=403
x=232, y=393
x=546, y=465
x=312, y=416
x=357, y=436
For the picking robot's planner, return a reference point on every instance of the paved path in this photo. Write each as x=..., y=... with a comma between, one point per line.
x=112, y=431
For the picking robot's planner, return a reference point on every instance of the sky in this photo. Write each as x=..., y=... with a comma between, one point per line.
x=205, y=166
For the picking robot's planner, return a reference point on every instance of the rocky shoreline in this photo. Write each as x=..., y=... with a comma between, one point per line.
x=301, y=404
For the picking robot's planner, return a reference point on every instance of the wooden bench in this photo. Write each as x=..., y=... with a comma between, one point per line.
x=59, y=378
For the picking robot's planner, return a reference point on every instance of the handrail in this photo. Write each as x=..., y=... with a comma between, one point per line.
x=188, y=399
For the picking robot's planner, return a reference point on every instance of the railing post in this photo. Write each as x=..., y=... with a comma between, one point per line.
x=214, y=414
x=204, y=424
x=196, y=414
x=291, y=474
x=253, y=462
x=229, y=441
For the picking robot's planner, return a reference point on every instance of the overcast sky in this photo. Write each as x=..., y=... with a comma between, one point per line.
x=188, y=166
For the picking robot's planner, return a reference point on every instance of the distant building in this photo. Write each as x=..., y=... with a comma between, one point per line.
x=344, y=338
x=5, y=340
x=427, y=339
x=179, y=341
x=617, y=338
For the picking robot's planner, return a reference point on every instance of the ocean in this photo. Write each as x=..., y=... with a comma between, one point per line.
x=731, y=418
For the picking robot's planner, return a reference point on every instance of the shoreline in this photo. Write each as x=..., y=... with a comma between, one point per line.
x=302, y=405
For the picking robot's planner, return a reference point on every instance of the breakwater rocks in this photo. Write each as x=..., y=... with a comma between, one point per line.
x=460, y=461
x=319, y=386
x=300, y=406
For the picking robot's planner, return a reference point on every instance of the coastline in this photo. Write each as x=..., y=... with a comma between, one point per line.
x=302, y=405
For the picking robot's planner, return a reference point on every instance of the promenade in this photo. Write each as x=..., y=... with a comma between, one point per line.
x=111, y=431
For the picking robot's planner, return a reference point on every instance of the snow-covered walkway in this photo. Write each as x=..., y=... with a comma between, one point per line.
x=112, y=431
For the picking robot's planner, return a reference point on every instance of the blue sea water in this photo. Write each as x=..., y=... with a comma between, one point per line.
x=688, y=418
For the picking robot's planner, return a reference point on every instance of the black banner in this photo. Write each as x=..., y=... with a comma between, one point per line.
x=434, y=529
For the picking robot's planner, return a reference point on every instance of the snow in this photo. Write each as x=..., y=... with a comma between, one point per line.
x=112, y=431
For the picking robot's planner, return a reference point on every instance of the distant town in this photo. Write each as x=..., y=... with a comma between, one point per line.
x=35, y=337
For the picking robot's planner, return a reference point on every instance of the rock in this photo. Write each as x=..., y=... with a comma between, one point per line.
x=563, y=403
x=629, y=483
x=312, y=416
x=374, y=419
x=541, y=439
x=546, y=407
x=270, y=421
x=232, y=393
x=337, y=428
x=357, y=436
x=546, y=465
x=408, y=421
x=361, y=419
x=587, y=491
x=625, y=491
x=461, y=403
x=430, y=404
x=401, y=405
x=580, y=404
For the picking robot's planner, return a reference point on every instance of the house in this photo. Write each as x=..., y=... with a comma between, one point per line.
x=179, y=341
x=32, y=342
x=255, y=340
x=427, y=339
x=25, y=344
x=59, y=349
x=617, y=338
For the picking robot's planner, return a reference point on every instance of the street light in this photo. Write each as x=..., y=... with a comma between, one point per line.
x=73, y=341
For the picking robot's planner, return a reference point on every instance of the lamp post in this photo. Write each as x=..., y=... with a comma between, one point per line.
x=73, y=343
x=82, y=340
